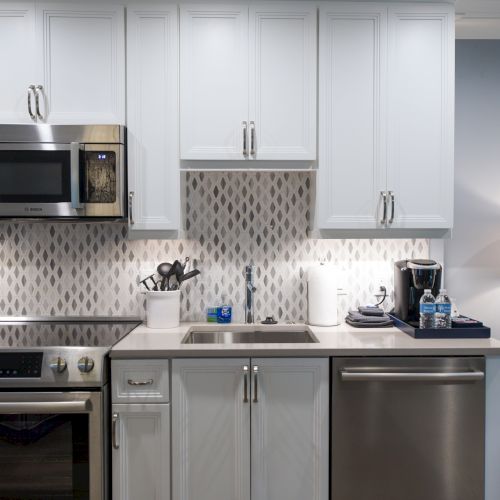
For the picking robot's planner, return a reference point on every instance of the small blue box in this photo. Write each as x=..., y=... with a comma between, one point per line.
x=224, y=314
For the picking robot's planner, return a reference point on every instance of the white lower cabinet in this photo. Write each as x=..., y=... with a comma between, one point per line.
x=250, y=428
x=141, y=451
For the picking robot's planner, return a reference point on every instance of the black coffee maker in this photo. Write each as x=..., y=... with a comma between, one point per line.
x=411, y=278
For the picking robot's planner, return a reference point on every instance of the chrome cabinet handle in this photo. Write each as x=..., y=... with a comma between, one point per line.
x=384, y=203
x=31, y=90
x=245, y=136
x=140, y=382
x=38, y=91
x=130, y=206
x=116, y=444
x=252, y=139
x=245, y=384
x=391, y=194
x=362, y=376
x=255, y=384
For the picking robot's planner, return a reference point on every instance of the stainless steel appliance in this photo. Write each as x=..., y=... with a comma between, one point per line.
x=62, y=171
x=54, y=406
x=411, y=278
x=408, y=428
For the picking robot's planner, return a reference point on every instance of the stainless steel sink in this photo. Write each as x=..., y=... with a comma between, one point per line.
x=250, y=336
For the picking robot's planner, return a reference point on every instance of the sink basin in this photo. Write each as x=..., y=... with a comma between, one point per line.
x=250, y=336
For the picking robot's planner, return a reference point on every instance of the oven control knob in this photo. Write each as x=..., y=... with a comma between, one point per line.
x=85, y=364
x=58, y=364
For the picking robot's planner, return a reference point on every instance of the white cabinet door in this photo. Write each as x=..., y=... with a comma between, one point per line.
x=282, y=57
x=421, y=115
x=152, y=117
x=214, y=81
x=352, y=136
x=290, y=429
x=82, y=63
x=141, y=452
x=210, y=429
x=17, y=58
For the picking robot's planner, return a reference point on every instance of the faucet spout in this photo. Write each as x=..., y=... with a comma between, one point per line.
x=249, y=294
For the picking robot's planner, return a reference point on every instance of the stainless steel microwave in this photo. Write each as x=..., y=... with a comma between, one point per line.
x=62, y=171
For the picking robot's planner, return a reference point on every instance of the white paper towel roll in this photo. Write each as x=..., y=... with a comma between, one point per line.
x=322, y=295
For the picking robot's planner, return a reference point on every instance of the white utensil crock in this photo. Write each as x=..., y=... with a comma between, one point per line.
x=163, y=309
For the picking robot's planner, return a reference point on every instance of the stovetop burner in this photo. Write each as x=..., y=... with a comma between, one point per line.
x=40, y=334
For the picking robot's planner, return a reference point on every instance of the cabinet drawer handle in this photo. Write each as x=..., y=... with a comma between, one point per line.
x=245, y=384
x=252, y=139
x=391, y=194
x=245, y=136
x=116, y=444
x=38, y=92
x=31, y=90
x=140, y=382
x=255, y=384
x=130, y=207
x=383, y=194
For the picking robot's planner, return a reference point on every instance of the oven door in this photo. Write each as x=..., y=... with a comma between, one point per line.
x=51, y=445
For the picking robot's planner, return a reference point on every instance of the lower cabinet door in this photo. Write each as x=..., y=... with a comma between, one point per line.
x=141, y=451
x=211, y=429
x=290, y=428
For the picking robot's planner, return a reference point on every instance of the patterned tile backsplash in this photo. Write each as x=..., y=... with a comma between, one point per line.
x=230, y=220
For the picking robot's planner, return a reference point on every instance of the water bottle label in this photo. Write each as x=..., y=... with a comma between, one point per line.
x=427, y=308
x=443, y=308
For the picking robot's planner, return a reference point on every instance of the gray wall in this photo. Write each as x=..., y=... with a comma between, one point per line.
x=472, y=256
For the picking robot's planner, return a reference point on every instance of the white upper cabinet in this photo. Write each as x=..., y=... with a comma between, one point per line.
x=421, y=115
x=17, y=60
x=214, y=81
x=282, y=114
x=352, y=168
x=152, y=118
x=248, y=82
x=386, y=116
x=81, y=63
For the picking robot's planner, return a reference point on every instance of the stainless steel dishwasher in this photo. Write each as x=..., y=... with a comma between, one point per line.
x=408, y=428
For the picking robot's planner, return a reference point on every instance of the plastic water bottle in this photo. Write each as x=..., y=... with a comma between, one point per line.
x=427, y=309
x=443, y=310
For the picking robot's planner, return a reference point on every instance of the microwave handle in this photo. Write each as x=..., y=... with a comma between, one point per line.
x=75, y=175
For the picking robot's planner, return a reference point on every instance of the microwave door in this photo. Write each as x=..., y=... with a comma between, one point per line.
x=39, y=180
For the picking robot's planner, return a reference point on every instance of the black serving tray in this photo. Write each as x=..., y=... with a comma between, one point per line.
x=476, y=332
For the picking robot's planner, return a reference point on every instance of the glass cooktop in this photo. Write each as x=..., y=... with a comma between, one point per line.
x=33, y=334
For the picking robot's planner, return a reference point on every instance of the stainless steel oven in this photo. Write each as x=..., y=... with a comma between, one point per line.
x=62, y=171
x=51, y=445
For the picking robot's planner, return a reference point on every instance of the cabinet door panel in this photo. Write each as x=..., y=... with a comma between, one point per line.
x=152, y=97
x=82, y=63
x=352, y=134
x=210, y=430
x=421, y=115
x=141, y=464
x=17, y=56
x=214, y=81
x=283, y=80
x=290, y=429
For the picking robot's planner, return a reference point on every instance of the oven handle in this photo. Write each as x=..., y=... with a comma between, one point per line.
x=75, y=175
x=19, y=407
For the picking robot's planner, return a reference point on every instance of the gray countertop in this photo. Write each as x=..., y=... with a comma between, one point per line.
x=342, y=340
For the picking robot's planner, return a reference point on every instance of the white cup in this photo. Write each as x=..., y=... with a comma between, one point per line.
x=163, y=309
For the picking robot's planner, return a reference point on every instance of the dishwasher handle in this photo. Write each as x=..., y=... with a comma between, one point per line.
x=367, y=376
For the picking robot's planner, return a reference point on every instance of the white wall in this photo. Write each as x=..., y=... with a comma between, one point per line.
x=472, y=256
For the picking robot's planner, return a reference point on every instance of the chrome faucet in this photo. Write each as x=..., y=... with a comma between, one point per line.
x=249, y=292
